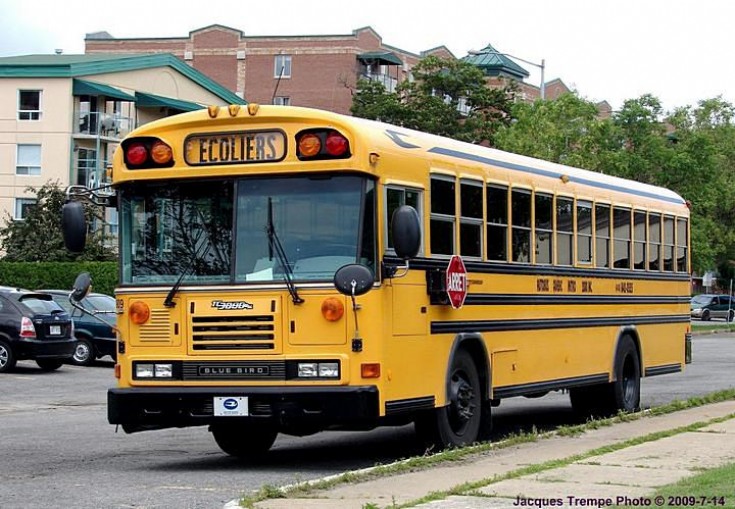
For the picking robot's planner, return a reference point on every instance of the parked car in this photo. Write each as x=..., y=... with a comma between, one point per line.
x=33, y=326
x=708, y=306
x=95, y=337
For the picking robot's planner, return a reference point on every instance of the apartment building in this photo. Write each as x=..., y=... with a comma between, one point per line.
x=62, y=116
x=319, y=71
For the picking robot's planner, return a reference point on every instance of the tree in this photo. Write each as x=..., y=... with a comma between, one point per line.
x=447, y=97
x=38, y=237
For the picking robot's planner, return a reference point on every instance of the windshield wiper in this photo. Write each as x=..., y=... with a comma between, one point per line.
x=274, y=244
x=201, y=251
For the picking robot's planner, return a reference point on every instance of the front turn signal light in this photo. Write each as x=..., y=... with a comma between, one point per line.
x=139, y=312
x=332, y=309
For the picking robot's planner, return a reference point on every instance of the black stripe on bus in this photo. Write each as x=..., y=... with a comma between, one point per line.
x=540, y=270
x=663, y=370
x=478, y=299
x=446, y=327
x=555, y=174
x=552, y=385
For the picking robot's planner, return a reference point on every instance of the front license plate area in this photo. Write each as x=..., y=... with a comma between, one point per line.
x=231, y=406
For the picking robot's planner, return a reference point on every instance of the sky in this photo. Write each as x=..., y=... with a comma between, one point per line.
x=613, y=50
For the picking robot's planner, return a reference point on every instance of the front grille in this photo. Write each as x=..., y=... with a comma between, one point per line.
x=234, y=370
x=231, y=332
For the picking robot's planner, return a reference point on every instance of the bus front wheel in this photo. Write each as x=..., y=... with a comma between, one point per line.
x=458, y=423
x=244, y=440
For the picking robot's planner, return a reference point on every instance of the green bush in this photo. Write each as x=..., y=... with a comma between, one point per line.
x=58, y=275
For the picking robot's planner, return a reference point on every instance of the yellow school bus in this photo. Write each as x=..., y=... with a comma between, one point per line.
x=290, y=270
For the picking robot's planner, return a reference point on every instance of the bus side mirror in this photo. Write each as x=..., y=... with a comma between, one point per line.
x=82, y=285
x=406, y=228
x=353, y=280
x=74, y=226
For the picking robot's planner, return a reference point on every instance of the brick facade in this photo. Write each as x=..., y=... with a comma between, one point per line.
x=324, y=68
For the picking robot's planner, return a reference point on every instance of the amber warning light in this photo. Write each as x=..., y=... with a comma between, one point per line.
x=320, y=144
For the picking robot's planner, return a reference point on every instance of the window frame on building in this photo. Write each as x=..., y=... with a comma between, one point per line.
x=25, y=113
x=21, y=206
x=286, y=63
x=31, y=170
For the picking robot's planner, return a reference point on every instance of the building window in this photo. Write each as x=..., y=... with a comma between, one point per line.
x=654, y=241
x=29, y=105
x=281, y=100
x=564, y=230
x=584, y=232
x=544, y=215
x=397, y=197
x=28, y=160
x=602, y=236
x=470, y=220
x=497, y=223
x=520, y=210
x=282, y=67
x=442, y=216
x=23, y=207
x=621, y=238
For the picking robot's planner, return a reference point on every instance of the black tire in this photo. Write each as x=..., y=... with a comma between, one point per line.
x=84, y=354
x=459, y=422
x=622, y=395
x=731, y=315
x=49, y=364
x=244, y=440
x=705, y=315
x=7, y=358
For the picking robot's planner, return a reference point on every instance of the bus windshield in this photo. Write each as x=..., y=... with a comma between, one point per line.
x=189, y=228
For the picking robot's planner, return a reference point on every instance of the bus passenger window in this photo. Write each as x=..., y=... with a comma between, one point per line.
x=442, y=216
x=470, y=227
x=397, y=197
x=654, y=241
x=681, y=244
x=668, y=244
x=544, y=206
x=497, y=223
x=520, y=211
x=584, y=232
x=602, y=236
x=621, y=238
x=564, y=230
x=639, y=240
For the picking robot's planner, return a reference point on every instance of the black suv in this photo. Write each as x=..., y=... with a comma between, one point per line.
x=95, y=336
x=33, y=326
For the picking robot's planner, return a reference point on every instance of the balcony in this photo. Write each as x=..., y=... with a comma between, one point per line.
x=102, y=125
x=386, y=80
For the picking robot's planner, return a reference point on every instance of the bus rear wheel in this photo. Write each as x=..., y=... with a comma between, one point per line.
x=244, y=440
x=622, y=395
x=458, y=423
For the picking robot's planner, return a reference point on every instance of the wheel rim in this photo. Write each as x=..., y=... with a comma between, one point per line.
x=82, y=352
x=3, y=357
x=462, y=406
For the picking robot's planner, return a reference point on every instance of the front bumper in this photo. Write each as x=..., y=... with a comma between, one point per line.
x=141, y=408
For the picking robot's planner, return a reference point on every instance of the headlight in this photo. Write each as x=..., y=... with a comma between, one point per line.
x=318, y=370
x=149, y=370
x=144, y=371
